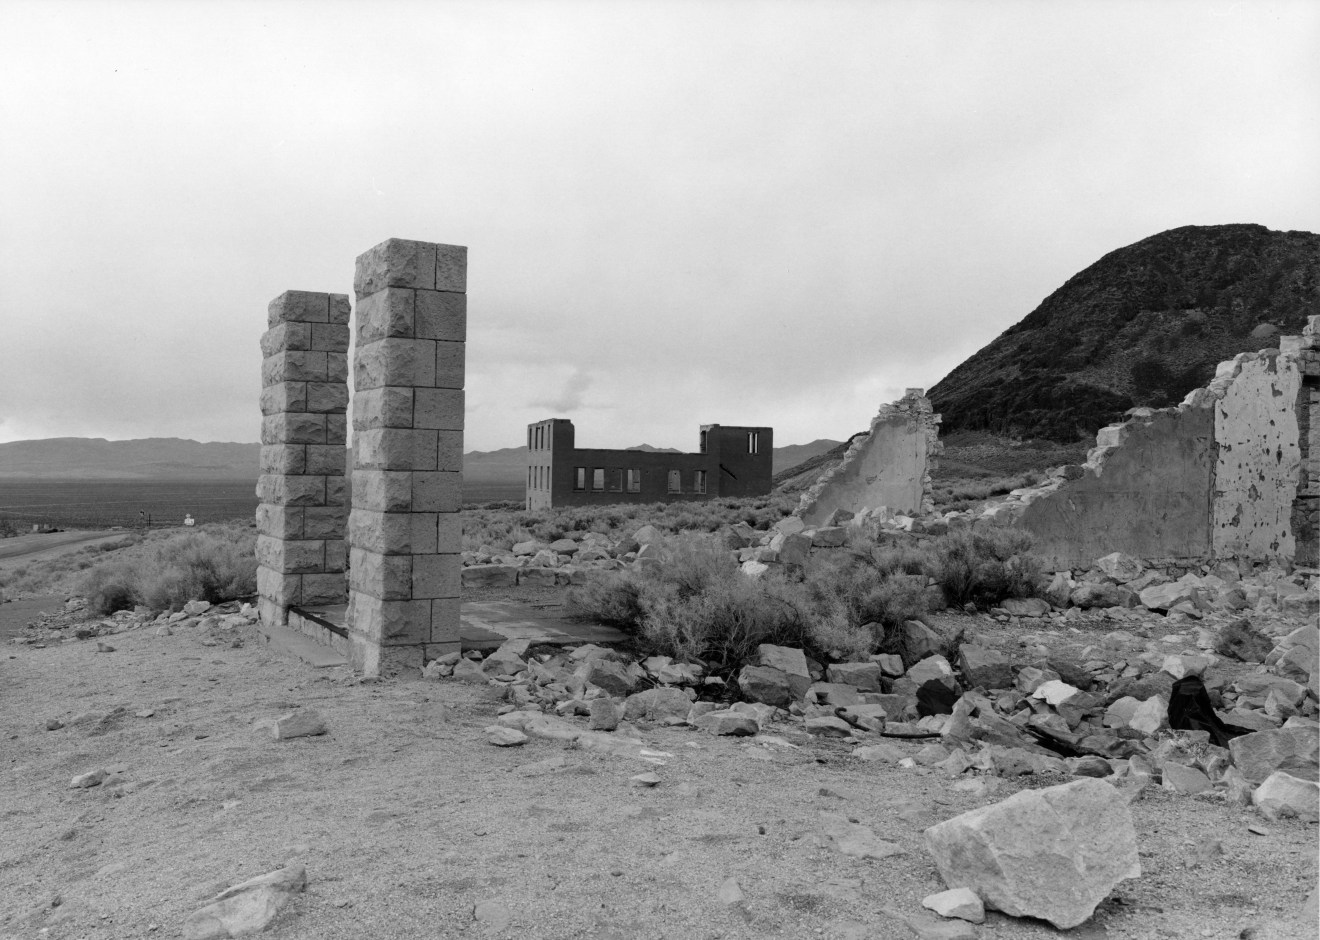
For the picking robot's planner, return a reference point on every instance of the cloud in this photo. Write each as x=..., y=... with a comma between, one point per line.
x=571, y=398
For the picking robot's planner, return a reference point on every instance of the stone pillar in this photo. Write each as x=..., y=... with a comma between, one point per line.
x=304, y=396
x=405, y=529
x=1306, y=505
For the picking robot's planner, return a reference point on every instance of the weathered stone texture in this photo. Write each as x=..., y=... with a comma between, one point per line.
x=301, y=516
x=890, y=466
x=404, y=529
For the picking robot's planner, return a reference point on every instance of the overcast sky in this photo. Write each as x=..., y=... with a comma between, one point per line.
x=677, y=213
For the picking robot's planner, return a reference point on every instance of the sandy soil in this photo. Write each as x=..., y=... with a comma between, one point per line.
x=406, y=818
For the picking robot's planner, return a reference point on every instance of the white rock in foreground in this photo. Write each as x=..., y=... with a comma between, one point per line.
x=1053, y=853
x=245, y=908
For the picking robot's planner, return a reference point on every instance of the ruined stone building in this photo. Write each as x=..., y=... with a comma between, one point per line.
x=731, y=461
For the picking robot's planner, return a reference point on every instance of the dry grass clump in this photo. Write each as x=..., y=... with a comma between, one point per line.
x=695, y=605
x=214, y=563
x=58, y=574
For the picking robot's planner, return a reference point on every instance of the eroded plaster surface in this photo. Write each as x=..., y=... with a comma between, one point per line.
x=889, y=466
x=1258, y=459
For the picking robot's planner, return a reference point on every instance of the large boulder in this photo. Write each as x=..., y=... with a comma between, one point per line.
x=788, y=660
x=985, y=667
x=490, y=576
x=1282, y=794
x=662, y=704
x=1122, y=568
x=1026, y=606
x=863, y=676
x=766, y=684
x=1054, y=853
x=1261, y=753
x=1088, y=595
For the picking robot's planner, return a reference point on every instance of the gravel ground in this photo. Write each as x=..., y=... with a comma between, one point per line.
x=406, y=819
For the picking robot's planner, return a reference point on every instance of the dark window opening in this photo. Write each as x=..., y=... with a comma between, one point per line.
x=598, y=479
x=579, y=478
x=634, y=481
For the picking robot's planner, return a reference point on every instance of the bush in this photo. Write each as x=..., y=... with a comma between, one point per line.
x=616, y=602
x=215, y=563
x=986, y=566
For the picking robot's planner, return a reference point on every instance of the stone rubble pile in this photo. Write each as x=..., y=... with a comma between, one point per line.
x=217, y=624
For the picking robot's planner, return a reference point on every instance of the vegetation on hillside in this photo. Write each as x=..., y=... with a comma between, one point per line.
x=1144, y=325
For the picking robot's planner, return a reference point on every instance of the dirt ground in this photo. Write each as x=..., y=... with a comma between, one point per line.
x=406, y=818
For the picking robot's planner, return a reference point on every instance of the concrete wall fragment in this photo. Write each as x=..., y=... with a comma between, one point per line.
x=1230, y=472
x=889, y=466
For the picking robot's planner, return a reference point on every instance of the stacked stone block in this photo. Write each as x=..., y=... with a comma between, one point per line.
x=405, y=528
x=304, y=399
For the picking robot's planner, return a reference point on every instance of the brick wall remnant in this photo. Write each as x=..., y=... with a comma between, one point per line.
x=405, y=527
x=889, y=466
x=304, y=395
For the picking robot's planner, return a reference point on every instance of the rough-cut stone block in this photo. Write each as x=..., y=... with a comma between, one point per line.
x=323, y=590
x=451, y=268
x=389, y=621
x=1261, y=753
x=340, y=309
x=336, y=429
x=436, y=575
x=324, y=522
x=392, y=533
x=336, y=367
x=284, y=396
x=327, y=459
x=291, y=556
x=441, y=491
x=297, y=366
x=293, y=428
x=396, y=262
x=390, y=406
x=278, y=587
x=330, y=337
x=281, y=522
x=396, y=449
x=386, y=313
x=863, y=676
x=291, y=490
x=387, y=577
x=441, y=315
x=449, y=450
x=477, y=576
x=450, y=364
x=1282, y=794
x=406, y=362
x=449, y=532
x=336, y=491
x=439, y=408
x=383, y=490
x=286, y=336
x=325, y=398
x=446, y=619
x=299, y=306
x=283, y=459
x=1053, y=853
x=336, y=555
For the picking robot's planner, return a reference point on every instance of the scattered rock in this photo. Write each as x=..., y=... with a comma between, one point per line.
x=1053, y=853
x=730, y=893
x=92, y=778
x=856, y=840
x=304, y=723
x=493, y=916
x=727, y=723
x=505, y=737
x=245, y=908
x=605, y=714
x=645, y=780
x=1282, y=794
x=961, y=903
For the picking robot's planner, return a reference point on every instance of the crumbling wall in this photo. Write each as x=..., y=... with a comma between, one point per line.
x=1306, y=504
x=1221, y=475
x=1144, y=490
x=1255, y=480
x=890, y=466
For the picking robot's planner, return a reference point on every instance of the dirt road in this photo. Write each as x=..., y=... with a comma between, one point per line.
x=38, y=543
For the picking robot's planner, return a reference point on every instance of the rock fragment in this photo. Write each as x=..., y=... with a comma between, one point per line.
x=961, y=903
x=245, y=908
x=1053, y=853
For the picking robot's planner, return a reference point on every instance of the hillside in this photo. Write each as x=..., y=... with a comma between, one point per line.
x=1142, y=326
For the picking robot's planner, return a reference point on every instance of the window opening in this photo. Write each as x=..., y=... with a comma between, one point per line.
x=598, y=479
x=753, y=442
x=634, y=480
x=579, y=478
x=699, y=481
x=675, y=481
x=616, y=481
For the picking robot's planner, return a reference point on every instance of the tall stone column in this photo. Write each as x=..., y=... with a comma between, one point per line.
x=405, y=528
x=304, y=397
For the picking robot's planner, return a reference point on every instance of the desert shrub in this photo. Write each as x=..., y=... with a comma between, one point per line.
x=986, y=566
x=724, y=623
x=690, y=563
x=616, y=602
x=214, y=563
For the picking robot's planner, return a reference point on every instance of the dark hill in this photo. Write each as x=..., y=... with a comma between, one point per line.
x=1144, y=325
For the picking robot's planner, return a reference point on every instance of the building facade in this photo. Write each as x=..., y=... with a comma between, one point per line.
x=731, y=461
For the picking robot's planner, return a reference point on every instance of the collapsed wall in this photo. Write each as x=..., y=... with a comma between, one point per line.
x=889, y=466
x=1221, y=475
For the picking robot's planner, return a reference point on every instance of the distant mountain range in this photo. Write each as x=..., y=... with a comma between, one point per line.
x=171, y=458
